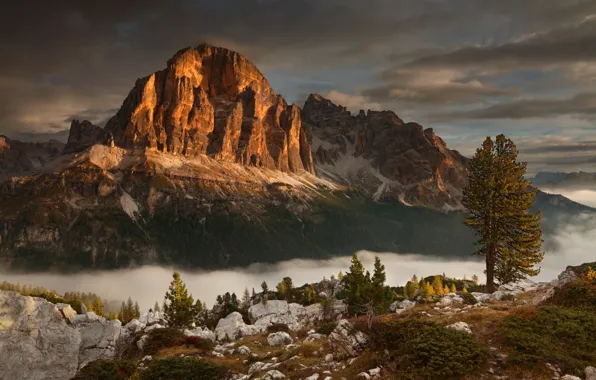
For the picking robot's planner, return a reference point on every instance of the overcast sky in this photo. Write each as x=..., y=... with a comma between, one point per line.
x=468, y=68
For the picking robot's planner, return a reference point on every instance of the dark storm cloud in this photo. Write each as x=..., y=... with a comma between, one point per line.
x=567, y=162
x=472, y=72
x=568, y=44
x=61, y=58
x=583, y=105
x=581, y=146
x=433, y=89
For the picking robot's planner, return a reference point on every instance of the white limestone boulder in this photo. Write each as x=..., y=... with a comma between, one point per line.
x=151, y=318
x=279, y=339
x=134, y=326
x=201, y=333
x=67, y=311
x=401, y=306
x=293, y=315
x=233, y=327
x=451, y=299
x=461, y=326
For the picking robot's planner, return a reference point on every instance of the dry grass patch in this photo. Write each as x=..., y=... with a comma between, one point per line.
x=367, y=360
x=483, y=322
x=311, y=349
x=257, y=343
x=302, y=333
x=177, y=351
x=294, y=369
x=233, y=363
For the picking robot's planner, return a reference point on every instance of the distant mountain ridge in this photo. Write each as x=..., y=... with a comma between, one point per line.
x=205, y=166
x=385, y=157
x=565, y=181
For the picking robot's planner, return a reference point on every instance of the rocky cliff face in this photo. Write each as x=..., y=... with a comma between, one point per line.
x=213, y=101
x=83, y=134
x=380, y=154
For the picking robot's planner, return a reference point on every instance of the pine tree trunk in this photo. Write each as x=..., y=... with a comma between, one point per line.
x=490, y=269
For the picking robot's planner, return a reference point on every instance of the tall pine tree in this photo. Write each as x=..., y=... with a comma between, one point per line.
x=382, y=295
x=179, y=310
x=136, y=310
x=246, y=299
x=498, y=200
x=355, y=285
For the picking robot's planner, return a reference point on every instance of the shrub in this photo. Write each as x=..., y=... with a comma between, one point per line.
x=77, y=305
x=327, y=328
x=163, y=338
x=284, y=354
x=177, y=368
x=278, y=327
x=107, y=370
x=302, y=333
x=508, y=297
x=580, y=294
x=469, y=298
x=198, y=342
x=551, y=335
x=310, y=350
x=426, y=350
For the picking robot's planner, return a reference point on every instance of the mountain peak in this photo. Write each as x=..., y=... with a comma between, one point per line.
x=214, y=101
x=318, y=101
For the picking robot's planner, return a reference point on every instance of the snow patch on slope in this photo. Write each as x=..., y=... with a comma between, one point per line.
x=351, y=168
x=348, y=165
x=129, y=205
x=379, y=193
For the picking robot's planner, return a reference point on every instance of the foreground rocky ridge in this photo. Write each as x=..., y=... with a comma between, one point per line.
x=40, y=340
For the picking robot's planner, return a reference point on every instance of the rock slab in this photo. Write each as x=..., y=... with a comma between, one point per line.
x=38, y=342
x=346, y=340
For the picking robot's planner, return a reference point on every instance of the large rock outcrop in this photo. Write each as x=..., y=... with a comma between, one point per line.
x=294, y=315
x=38, y=343
x=213, y=101
x=346, y=340
x=383, y=155
x=233, y=327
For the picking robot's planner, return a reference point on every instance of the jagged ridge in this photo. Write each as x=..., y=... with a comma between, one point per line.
x=377, y=151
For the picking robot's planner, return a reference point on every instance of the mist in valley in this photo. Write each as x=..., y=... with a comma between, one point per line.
x=574, y=246
x=584, y=196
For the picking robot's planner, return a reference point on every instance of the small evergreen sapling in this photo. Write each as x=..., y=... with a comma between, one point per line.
x=179, y=309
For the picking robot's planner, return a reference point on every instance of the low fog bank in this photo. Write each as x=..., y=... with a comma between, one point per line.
x=586, y=197
x=574, y=245
x=149, y=284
